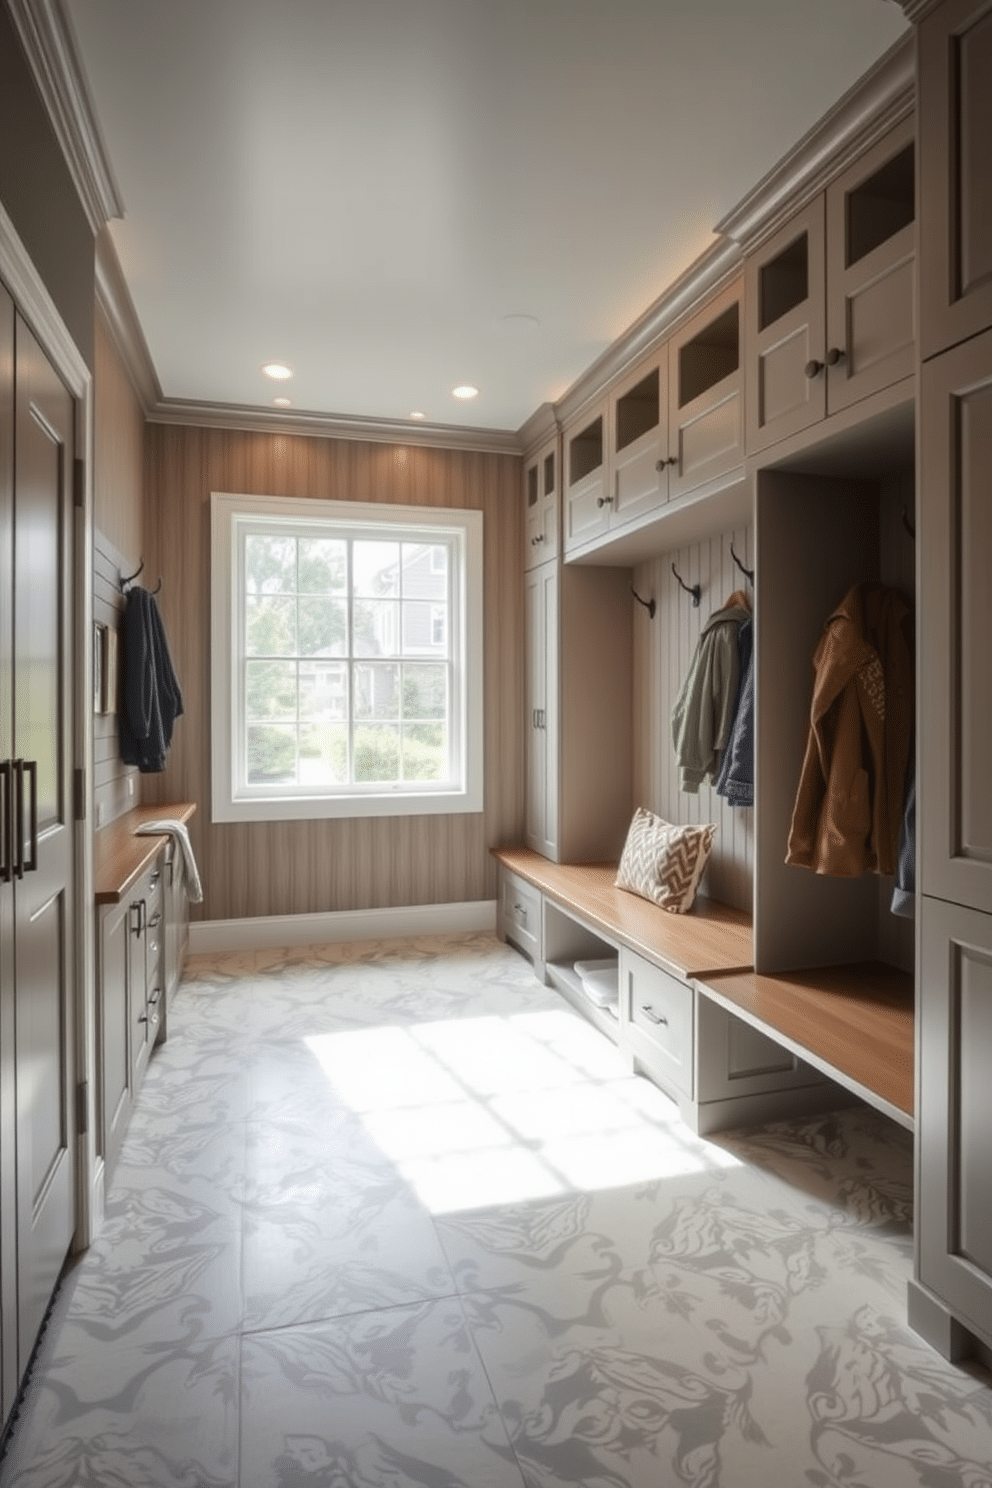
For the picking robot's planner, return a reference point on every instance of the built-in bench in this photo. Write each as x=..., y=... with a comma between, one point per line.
x=731, y=1046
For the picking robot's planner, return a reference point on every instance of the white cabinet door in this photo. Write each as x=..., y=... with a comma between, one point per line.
x=541, y=502
x=638, y=435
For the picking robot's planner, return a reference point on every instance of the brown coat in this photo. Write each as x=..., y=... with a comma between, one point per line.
x=853, y=782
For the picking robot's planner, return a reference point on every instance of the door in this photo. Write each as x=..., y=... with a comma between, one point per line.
x=9, y=1375
x=43, y=834
x=955, y=621
x=954, y=47
x=542, y=704
x=954, y=1220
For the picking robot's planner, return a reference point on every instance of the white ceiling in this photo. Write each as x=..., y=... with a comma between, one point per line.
x=396, y=196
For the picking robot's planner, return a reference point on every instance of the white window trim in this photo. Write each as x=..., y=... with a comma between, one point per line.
x=226, y=804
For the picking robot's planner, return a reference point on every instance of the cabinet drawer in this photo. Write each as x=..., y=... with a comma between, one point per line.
x=656, y=1012
x=521, y=906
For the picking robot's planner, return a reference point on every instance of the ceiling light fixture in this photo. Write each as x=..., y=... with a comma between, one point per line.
x=278, y=371
x=417, y=414
x=282, y=402
x=465, y=391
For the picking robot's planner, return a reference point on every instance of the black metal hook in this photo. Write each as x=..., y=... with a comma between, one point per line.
x=747, y=572
x=648, y=604
x=696, y=590
x=908, y=524
x=131, y=578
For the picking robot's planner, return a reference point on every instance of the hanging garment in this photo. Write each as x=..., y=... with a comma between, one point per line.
x=904, y=892
x=151, y=698
x=852, y=786
x=704, y=709
x=735, y=781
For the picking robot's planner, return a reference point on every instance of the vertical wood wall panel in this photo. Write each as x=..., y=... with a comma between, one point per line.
x=118, y=454
x=663, y=652
x=304, y=867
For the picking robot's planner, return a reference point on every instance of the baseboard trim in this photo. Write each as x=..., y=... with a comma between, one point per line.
x=269, y=932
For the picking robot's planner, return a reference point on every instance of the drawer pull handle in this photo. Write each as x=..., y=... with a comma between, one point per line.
x=650, y=1013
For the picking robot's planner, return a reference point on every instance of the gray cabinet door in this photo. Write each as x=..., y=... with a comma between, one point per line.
x=955, y=624
x=43, y=832
x=954, y=48
x=116, y=1086
x=954, y=1138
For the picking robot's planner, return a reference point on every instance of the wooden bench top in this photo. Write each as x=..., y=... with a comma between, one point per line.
x=711, y=937
x=855, y=1020
x=120, y=857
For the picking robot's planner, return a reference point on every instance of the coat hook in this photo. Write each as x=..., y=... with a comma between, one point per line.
x=747, y=572
x=695, y=590
x=908, y=524
x=648, y=604
x=131, y=577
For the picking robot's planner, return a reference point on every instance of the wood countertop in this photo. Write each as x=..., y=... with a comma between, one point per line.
x=120, y=856
x=711, y=937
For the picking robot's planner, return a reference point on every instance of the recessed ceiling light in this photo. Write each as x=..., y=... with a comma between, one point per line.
x=518, y=323
x=417, y=414
x=282, y=402
x=277, y=370
x=465, y=391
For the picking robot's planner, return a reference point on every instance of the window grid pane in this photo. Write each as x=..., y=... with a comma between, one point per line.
x=371, y=716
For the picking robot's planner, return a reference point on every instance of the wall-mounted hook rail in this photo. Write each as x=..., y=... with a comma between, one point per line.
x=696, y=590
x=648, y=604
x=747, y=572
x=908, y=524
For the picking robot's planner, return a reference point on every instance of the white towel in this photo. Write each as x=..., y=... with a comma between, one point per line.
x=194, y=889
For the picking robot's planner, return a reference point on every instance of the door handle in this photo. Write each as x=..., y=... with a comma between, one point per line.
x=17, y=857
x=7, y=807
x=31, y=770
x=653, y=1017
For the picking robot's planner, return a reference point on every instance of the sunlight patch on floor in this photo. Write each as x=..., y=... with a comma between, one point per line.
x=490, y=1110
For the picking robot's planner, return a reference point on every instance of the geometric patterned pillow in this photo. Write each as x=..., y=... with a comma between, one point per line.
x=662, y=862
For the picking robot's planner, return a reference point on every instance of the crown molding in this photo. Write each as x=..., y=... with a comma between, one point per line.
x=249, y=420
x=542, y=425
x=53, y=56
x=114, y=302
x=708, y=273
x=915, y=10
x=885, y=95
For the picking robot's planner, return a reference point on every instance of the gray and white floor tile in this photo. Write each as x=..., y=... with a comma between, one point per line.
x=394, y=1216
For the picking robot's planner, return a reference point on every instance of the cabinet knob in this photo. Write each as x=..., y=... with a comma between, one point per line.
x=813, y=369
x=659, y=465
x=604, y=500
x=835, y=355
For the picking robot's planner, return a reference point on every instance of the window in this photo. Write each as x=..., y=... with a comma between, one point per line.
x=347, y=659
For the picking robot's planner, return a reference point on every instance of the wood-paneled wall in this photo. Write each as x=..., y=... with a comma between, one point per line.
x=118, y=453
x=306, y=867
x=663, y=652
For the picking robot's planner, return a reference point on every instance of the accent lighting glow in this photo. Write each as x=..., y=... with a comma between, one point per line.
x=278, y=371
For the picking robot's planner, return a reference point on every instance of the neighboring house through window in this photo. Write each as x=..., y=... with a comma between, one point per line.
x=347, y=659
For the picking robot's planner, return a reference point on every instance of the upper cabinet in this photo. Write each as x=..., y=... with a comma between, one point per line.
x=955, y=85
x=541, y=505
x=830, y=298
x=670, y=425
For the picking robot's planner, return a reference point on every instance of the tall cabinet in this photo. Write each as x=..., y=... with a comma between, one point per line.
x=951, y=1301
x=37, y=1125
x=578, y=686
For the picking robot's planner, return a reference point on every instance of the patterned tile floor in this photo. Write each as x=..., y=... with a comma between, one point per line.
x=392, y=1216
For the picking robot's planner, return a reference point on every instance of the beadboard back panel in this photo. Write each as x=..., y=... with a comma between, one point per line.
x=663, y=652
x=308, y=867
x=115, y=787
